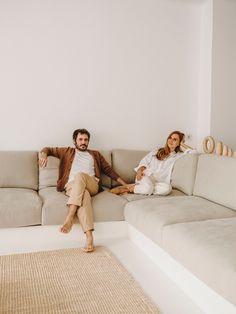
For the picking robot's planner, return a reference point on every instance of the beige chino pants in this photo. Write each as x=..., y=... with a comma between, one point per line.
x=80, y=191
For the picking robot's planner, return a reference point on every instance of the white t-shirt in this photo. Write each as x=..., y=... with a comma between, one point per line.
x=160, y=169
x=83, y=162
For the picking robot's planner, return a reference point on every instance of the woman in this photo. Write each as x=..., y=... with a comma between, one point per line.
x=153, y=173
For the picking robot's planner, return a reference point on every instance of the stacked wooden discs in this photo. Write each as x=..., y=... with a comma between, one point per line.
x=219, y=148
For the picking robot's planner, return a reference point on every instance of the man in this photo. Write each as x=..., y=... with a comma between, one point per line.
x=80, y=176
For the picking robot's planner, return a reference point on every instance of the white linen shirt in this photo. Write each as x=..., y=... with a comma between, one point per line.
x=160, y=170
x=83, y=162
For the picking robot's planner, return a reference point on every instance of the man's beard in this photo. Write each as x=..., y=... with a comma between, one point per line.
x=82, y=147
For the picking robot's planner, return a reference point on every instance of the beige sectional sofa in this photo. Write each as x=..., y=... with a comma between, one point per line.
x=195, y=224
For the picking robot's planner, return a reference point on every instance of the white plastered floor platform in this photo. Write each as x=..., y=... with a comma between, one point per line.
x=171, y=287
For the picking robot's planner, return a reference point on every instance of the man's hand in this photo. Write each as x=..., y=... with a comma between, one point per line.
x=43, y=159
x=121, y=181
x=130, y=187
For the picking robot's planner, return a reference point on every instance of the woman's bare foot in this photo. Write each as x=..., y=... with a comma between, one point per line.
x=124, y=189
x=89, y=242
x=119, y=190
x=66, y=227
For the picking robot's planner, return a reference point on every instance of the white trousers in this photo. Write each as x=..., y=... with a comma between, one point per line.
x=148, y=185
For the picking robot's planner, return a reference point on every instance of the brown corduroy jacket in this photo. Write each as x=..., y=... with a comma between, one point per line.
x=66, y=156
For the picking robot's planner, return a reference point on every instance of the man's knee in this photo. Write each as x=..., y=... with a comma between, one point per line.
x=162, y=188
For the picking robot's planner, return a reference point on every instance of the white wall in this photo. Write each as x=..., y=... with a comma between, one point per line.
x=128, y=70
x=224, y=72
x=205, y=74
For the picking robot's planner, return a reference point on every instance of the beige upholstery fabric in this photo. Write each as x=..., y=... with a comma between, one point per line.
x=106, y=181
x=124, y=161
x=184, y=172
x=150, y=216
x=106, y=206
x=19, y=169
x=48, y=176
x=215, y=179
x=208, y=249
x=54, y=208
x=19, y=207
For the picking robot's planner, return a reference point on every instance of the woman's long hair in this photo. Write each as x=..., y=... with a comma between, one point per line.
x=164, y=152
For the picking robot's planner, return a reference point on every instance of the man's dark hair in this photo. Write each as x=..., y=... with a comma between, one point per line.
x=80, y=131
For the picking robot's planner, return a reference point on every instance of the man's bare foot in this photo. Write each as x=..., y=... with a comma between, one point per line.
x=88, y=249
x=66, y=227
x=89, y=243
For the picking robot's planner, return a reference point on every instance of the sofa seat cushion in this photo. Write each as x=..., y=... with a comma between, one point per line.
x=134, y=197
x=106, y=206
x=19, y=207
x=54, y=208
x=211, y=253
x=151, y=215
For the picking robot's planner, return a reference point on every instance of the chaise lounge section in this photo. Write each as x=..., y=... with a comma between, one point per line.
x=199, y=230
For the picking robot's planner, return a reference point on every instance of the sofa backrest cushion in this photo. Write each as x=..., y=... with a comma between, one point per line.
x=124, y=161
x=19, y=169
x=106, y=181
x=48, y=176
x=215, y=179
x=184, y=172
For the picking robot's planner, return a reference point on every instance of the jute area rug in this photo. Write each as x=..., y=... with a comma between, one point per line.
x=69, y=281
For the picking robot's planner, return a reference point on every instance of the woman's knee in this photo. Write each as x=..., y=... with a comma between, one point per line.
x=144, y=186
x=162, y=188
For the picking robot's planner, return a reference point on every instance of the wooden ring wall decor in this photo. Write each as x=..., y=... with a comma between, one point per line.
x=219, y=148
x=230, y=152
x=225, y=150
x=208, y=144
